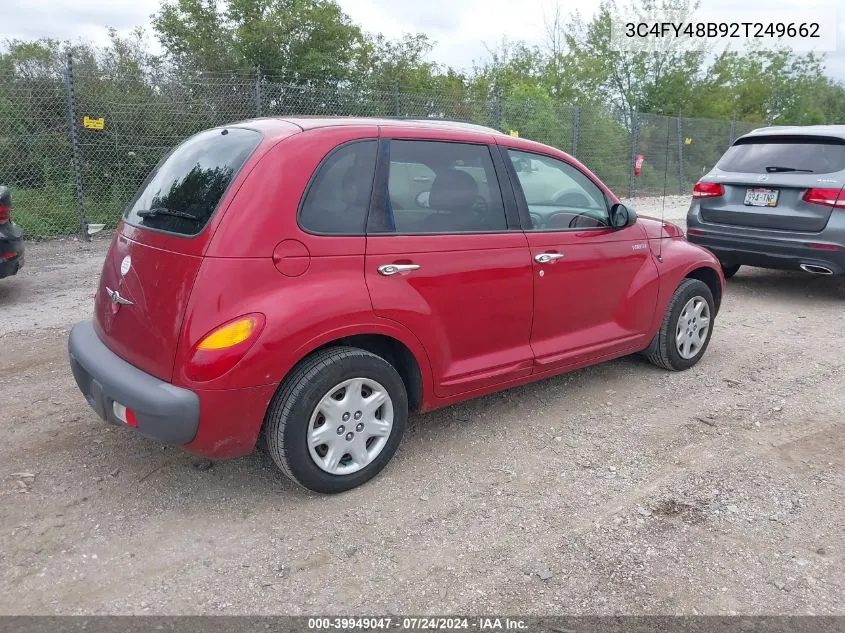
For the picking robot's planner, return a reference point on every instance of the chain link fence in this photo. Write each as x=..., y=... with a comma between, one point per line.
x=76, y=144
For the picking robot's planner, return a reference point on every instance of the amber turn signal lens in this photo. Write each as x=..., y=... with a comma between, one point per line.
x=224, y=347
x=230, y=334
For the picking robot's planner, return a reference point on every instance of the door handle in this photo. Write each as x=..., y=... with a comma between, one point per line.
x=545, y=258
x=392, y=269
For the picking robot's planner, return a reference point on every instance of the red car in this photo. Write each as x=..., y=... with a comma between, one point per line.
x=315, y=279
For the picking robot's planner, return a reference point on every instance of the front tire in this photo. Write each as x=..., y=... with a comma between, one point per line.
x=686, y=329
x=337, y=419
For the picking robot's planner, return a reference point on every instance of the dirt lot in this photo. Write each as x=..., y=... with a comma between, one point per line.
x=616, y=489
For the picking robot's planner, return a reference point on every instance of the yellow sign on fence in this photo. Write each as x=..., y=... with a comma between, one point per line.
x=514, y=132
x=94, y=124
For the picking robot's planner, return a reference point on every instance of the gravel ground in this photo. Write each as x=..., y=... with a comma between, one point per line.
x=672, y=208
x=619, y=489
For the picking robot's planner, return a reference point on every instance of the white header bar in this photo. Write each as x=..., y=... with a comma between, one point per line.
x=713, y=31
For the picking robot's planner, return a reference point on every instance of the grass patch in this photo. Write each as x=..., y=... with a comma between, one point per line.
x=51, y=211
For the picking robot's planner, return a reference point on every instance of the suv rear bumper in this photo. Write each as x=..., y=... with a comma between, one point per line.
x=11, y=250
x=10, y=266
x=738, y=245
x=164, y=412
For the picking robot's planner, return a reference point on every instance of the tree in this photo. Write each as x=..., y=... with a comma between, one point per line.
x=831, y=98
x=779, y=86
x=509, y=67
x=401, y=63
x=627, y=82
x=296, y=41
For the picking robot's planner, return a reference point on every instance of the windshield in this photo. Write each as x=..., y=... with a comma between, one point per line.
x=762, y=154
x=182, y=193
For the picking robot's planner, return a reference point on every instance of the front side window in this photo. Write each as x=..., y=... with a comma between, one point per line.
x=559, y=196
x=442, y=187
x=184, y=190
x=338, y=198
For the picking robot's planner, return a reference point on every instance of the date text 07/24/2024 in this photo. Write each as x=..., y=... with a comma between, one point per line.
x=415, y=623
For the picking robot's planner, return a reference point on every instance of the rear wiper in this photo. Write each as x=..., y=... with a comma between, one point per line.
x=151, y=213
x=776, y=168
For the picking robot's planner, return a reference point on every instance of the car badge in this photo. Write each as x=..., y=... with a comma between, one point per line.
x=117, y=300
x=762, y=178
x=125, y=265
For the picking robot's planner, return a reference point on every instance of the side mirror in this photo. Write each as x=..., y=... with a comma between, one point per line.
x=621, y=216
x=5, y=196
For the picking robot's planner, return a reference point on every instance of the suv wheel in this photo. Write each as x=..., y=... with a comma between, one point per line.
x=686, y=329
x=337, y=419
x=729, y=270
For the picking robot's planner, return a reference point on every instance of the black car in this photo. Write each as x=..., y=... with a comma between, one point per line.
x=11, y=237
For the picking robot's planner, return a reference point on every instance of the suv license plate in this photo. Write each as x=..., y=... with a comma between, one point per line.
x=761, y=197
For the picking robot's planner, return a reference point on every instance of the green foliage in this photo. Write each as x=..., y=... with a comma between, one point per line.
x=51, y=211
x=535, y=115
x=657, y=82
x=776, y=86
x=296, y=41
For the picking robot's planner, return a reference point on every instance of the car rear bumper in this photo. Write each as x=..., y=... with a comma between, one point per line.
x=11, y=266
x=735, y=245
x=11, y=253
x=163, y=411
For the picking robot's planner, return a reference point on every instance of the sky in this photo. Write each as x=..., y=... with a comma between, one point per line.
x=462, y=29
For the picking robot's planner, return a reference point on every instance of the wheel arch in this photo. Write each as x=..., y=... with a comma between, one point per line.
x=388, y=340
x=711, y=278
x=394, y=352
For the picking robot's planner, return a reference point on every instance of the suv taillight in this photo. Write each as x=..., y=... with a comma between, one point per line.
x=5, y=204
x=707, y=190
x=828, y=197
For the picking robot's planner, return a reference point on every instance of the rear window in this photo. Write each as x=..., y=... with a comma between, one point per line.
x=762, y=154
x=184, y=190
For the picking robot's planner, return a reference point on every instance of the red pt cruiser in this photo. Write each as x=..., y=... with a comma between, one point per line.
x=314, y=280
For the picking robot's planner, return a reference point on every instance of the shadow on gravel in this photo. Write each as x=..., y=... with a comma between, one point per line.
x=12, y=289
x=788, y=286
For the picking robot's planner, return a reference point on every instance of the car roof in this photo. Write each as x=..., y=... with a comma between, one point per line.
x=314, y=122
x=835, y=131
x=311, y=122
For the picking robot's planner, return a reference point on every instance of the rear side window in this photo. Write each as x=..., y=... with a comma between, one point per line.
x=182, y=193
x=338, y=198
x=771, y=154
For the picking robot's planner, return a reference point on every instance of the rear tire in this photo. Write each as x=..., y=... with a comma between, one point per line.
x=729, y=270
x=337, y=419
x=682, y=341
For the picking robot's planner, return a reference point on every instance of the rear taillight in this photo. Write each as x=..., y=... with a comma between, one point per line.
x=5, y=204
x=828, y=197
x=222, y=348
x=707, y=190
